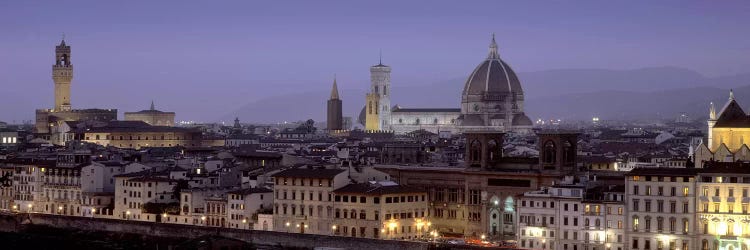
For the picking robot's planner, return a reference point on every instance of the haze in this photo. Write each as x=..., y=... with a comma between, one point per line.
x=204, y=60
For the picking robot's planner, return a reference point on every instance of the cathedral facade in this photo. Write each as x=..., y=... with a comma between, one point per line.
x=492, y=99
x=728, y=135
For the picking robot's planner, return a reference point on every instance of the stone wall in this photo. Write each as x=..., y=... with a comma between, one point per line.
x=11, y=222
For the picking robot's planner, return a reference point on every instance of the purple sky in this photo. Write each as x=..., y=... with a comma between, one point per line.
x=203, y=60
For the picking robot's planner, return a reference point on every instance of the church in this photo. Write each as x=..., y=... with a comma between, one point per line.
x=728, y=135
x=491, y=100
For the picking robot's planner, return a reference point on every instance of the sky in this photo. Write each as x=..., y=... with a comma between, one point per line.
x=203, y=59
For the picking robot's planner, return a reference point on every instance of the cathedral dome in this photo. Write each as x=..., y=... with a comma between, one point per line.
x=493, y=75
x=521, y=119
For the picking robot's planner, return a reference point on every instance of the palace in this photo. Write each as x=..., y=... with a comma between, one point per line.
x=48, y=120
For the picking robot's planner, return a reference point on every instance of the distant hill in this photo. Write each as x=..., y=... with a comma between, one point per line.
x=565, y=93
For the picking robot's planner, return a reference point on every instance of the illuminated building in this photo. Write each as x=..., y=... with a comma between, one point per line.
x=728, y=135
x=303, y=199
x=572, y=216
x=723, y=220
x=660, y=211
x=382, y=210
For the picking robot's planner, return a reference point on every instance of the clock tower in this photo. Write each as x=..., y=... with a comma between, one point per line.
x=62, y=74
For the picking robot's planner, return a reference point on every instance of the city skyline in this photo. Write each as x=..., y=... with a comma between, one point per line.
x=213, y=61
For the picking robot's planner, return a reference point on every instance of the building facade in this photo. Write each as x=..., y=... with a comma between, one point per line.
x=660, y=211
x=728, y=135
x=303, y=199
x=152, y=116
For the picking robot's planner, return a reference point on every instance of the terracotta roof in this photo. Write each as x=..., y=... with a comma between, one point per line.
x=309, y=173
x=375, y=189
x=247, y=191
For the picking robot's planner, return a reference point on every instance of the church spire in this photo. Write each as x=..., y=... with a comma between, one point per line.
x=62, y=42
x=152, y=105
x=712, y=112
x=334, y=90
x=493, y=49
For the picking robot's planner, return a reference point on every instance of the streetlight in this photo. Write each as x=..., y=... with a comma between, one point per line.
x=203, y=220
x=127, y=214
x=30, y=207
x=333, y=229
x=287, y=227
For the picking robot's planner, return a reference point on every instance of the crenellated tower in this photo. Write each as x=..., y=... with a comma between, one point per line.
x=62, y=75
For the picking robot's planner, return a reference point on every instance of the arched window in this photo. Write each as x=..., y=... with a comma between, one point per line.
x=492, y=150
x=549, y=152
x=476, y=150
x=704, y=245
x=435, y=121
x=569, y=153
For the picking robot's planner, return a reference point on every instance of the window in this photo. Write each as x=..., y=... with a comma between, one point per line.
x=635, y=223
x=685, y=191
x=635, y=204
x=685, y=208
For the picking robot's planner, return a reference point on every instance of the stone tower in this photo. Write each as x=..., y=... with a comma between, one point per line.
x=380, y=78
x=62, y=74
x=711, y=123
x=335, y=117
x=558, y=151
x=372, y=117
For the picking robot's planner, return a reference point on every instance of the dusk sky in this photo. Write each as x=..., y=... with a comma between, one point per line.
x=205, y=59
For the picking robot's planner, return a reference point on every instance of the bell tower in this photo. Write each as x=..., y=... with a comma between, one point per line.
x=62, y=75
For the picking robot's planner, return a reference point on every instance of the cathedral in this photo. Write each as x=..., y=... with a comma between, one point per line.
x=492, y=100
x=728, y=135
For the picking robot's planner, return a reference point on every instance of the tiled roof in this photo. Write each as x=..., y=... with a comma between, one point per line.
x=375, y=189
x=663, y=171
x=309, y=173
x=247, y=191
